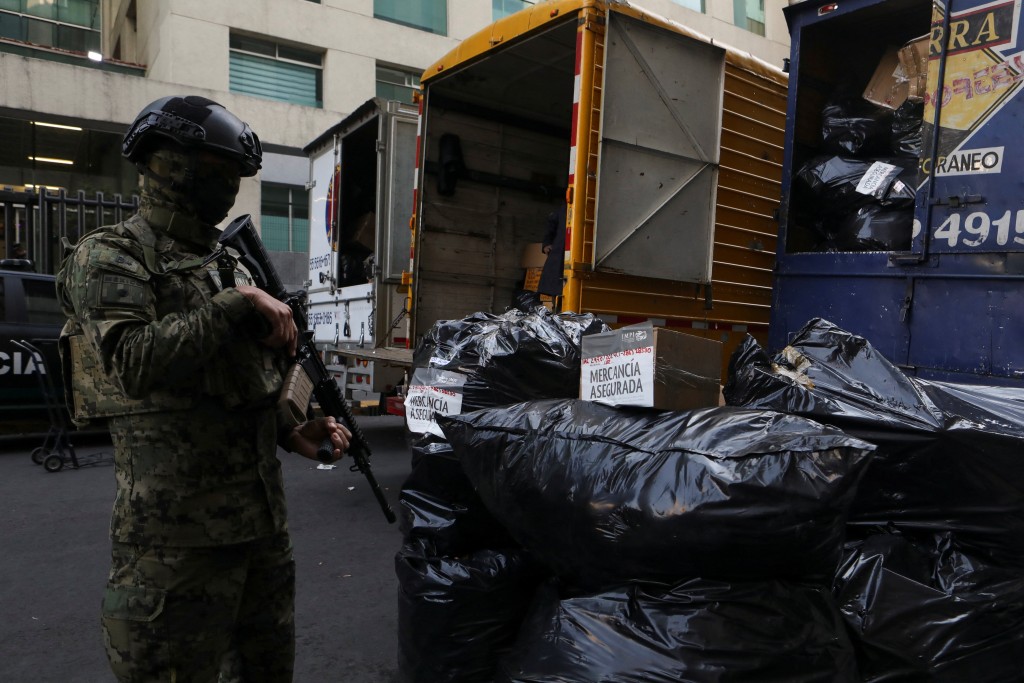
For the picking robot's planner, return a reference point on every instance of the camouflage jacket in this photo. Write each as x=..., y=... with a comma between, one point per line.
x=156, y=347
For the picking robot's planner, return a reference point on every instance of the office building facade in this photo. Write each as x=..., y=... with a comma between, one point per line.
x=76, y=72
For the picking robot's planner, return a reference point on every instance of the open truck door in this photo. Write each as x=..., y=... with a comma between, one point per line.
x=664, y=149
x=658, y=172
x=361, y=176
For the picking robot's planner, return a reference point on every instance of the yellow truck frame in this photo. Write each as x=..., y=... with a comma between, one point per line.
x=628, y=64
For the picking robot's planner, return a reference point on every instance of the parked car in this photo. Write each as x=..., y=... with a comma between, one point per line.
x=28, y=311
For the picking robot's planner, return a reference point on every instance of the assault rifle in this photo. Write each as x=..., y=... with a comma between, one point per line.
x=309, y=376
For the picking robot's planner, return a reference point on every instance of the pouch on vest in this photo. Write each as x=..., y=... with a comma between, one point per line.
x=90, y=394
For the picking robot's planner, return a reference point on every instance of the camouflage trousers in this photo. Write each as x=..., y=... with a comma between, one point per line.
x=177, y=615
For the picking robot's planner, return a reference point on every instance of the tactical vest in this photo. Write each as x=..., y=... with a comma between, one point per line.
x=243, y=373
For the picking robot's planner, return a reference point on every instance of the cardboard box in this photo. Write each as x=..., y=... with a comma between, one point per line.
x=643, y=365
x=888, y=86
x=365, y=231
x=533, y=257
x=532, y=280
x=914, y=59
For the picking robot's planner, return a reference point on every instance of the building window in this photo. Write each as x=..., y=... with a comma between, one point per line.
x=503, y=8
x=263, y=68
x=396, y=84
x=68, y=24
x=429, y=15
x=284, y=217
x=59, y=155
x=695, y=5
x=749, y=14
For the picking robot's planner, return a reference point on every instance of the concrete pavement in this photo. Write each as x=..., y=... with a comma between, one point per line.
x=55, y=554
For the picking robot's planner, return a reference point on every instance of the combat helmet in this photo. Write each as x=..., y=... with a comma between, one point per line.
x=194, y=123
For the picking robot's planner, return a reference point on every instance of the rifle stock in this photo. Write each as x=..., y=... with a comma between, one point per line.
x=241, y=236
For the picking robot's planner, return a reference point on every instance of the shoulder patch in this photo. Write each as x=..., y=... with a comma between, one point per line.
x=121, y=291
x=117, y=280
x=111, y=259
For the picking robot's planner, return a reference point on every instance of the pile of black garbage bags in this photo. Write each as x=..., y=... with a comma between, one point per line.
x=858, y=192
x=837, y=521
x=931, y=584
x=464, y=583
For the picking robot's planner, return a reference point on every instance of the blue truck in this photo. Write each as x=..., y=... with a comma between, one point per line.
x=902, y=212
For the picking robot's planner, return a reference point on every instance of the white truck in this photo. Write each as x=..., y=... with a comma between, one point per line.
x=360, y=183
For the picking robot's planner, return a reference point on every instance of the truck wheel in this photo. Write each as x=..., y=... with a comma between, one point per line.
x=39, y=454
x=54, y=462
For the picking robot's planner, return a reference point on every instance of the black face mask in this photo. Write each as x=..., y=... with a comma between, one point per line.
x=213, y=195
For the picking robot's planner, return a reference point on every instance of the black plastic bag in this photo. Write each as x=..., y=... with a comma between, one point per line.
x=458, y=615
x=919, y=610
x=527, y=301
x=698, y=631
x=512, y=357
x=950, y=456
x=875, y=228
x=907, y=124
x=857, y=204
x=603, y=495
x=483, y=360
x=438, y=503
x=852, y=126
x=833, y=182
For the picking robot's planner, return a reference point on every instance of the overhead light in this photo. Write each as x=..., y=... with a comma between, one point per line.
x=51, y=160
x=55, y=125
x=95, y=56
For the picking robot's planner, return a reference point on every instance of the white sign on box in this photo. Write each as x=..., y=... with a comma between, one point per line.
x=432, y=392
x=617, y=367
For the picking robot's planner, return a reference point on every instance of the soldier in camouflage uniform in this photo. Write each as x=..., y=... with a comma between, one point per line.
x=184, y=361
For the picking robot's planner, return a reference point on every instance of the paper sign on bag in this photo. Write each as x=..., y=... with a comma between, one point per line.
x=432, y=392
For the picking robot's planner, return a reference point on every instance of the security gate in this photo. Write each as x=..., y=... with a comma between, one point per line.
x=39, y=220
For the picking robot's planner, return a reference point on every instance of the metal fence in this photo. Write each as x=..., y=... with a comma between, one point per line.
x=39, y=220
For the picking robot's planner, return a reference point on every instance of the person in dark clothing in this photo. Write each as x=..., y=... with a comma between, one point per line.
x=553, y=244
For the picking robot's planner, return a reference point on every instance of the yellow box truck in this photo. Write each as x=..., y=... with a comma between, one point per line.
x=662, y=147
